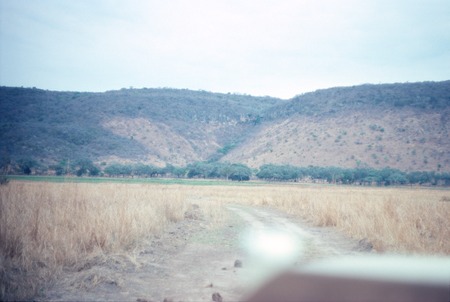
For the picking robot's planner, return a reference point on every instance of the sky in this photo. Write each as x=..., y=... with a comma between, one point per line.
x=279, y=48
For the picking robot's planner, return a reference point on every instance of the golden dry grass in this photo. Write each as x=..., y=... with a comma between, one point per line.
x=405, y=220
x=45, y=227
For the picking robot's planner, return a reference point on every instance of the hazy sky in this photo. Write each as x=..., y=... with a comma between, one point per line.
x=259, y=47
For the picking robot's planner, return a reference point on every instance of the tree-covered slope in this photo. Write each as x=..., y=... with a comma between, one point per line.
x=405, y=126
x=422, y=96
x=149, y=125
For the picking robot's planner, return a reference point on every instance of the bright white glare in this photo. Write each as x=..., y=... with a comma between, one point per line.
x=397, y=268
x=273, y=246
x=270, y=251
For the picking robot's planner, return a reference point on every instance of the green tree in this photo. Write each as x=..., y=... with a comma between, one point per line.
x=147, y=170
x=85, y=166
x=389, y=176
x=63, y=167
x=202, y=170
x=240, y=172
x=94, y=171
x=177, y=172
x=26, y=165
x=118, y=170
x=279, y=173
x=397, y=178
x=225, y=170
x=445, y=178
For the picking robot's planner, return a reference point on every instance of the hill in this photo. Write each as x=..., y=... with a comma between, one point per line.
x=148, y=125
x=404, y=126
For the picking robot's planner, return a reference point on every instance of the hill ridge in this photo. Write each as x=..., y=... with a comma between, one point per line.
x=402, y=126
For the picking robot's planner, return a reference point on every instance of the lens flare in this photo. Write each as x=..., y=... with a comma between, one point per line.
x=274, y=246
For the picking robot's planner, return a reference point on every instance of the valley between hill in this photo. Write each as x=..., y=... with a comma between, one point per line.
x=403, y=126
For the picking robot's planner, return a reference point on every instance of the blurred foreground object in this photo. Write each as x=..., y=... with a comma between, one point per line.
x=369, y=278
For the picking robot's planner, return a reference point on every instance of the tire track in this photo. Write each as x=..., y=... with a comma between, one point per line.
x=192, y=262
x=315, y=242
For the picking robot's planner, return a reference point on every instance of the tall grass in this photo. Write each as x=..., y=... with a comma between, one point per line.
x=47, y=226
x=402, y=219
x=394, y=220
x=405, y=220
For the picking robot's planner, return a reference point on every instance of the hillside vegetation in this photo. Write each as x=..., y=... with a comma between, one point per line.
x=148, y=125
x=402, y=126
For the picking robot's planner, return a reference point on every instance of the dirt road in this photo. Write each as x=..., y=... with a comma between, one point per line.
x=191, y=261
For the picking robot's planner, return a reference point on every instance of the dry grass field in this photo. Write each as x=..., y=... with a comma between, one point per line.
x=403, y=219
x=45, y=227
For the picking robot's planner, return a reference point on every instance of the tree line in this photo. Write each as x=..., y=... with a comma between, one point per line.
x=232, y=171
x=361, y=176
